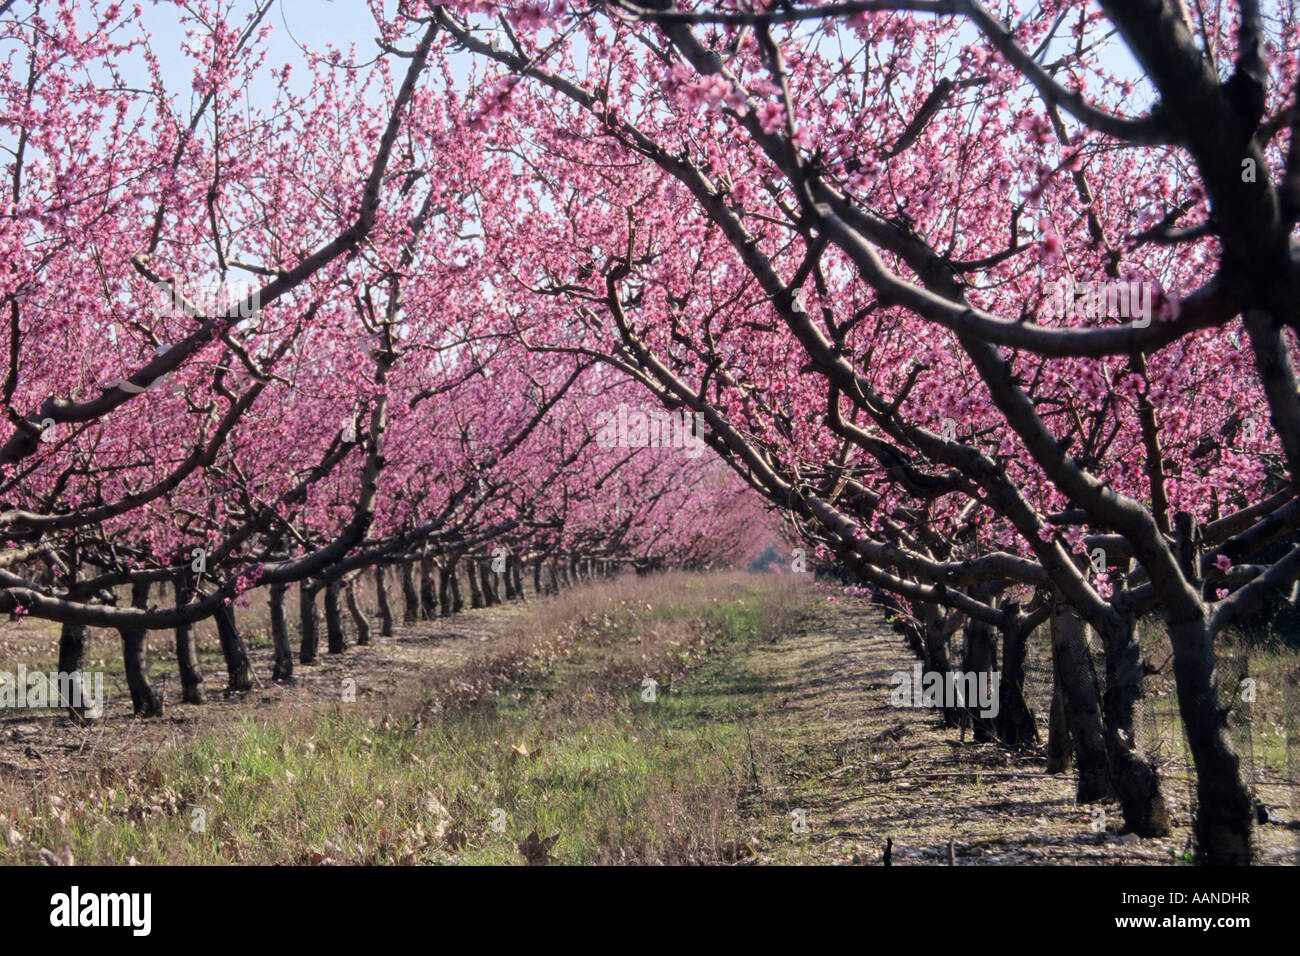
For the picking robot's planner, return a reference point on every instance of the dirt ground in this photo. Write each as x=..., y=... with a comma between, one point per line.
x=865, y=771
x=389, y=675
x=843, y=771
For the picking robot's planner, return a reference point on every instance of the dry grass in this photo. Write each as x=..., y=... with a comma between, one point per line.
x=531, y=716
x=475, y=735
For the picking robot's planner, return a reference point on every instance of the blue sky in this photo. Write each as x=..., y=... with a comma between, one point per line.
x=298, y=25
x=295, y=25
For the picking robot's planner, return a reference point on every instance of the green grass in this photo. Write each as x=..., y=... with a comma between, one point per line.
x=555, y=739
x=1259, y=729
x=570, y=748
x=37, y=649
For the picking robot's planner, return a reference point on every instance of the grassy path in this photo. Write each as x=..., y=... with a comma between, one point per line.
x=677, y=719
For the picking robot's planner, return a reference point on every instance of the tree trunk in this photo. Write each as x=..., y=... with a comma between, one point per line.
x=979, y=657
x=308, y=623
x=283, y=667
x=1060, y=749
x=937, y=631
x=358, y=619
x=508, y=578
x=381, y=595
x=187, y=648
x=457, y=602
x=145, y=701
x=72, y=651
x=1225, y=817
x=517, y=575
x=232, y=647
x=410, y=596
x=537, y=577
x=475, y=594
x=488, y=580
x=913, y=631
x=1073, y=663
x=334, y=641
x=1136, y=782
x=1015, y=722
x=444, y=591
x=428, y=596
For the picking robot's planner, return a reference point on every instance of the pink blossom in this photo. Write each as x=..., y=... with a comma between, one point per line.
x=771, y=117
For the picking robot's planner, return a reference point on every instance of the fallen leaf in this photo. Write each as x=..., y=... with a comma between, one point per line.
x=537, y=851
x=733, y=850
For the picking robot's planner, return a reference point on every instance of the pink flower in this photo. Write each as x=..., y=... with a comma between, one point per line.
x=1051, y=242
x=1038, y=127
x=530, y=15
x=1223, y=563
x=736, y=101
x=695, y=94
x=715, y=90
x=771, y=116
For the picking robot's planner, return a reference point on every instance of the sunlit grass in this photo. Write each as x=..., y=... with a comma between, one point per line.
x=569, y=749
